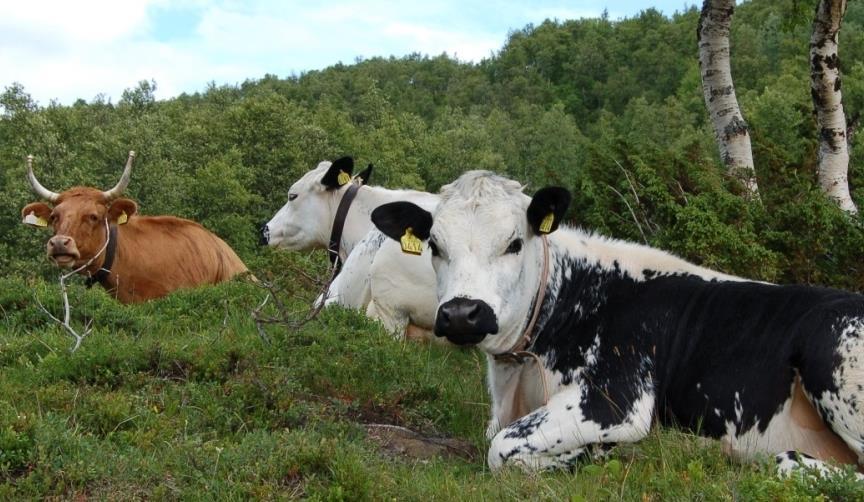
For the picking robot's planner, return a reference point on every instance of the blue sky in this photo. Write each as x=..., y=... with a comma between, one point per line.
x=66, y=50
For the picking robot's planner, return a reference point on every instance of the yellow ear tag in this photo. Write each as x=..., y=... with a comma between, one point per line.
x=36, y=221
x=343, y=178
x=410, y=243
x=123, y=218
x=546, y=224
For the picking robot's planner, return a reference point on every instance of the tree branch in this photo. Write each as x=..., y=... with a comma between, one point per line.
x=67, y=309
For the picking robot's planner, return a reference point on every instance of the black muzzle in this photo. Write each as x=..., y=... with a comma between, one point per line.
x=464, y=321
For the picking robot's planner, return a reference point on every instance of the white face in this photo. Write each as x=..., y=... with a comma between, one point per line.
x=304, y=222
x=483, y=249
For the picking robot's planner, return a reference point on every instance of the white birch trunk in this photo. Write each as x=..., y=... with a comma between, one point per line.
x=825, y=89
x=730, y=129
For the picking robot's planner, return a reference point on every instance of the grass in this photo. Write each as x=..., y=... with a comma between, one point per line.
x=182, y=399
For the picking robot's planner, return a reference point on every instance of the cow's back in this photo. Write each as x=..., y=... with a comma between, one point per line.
x=159, y=254
x=762, y=359
x=727, y=345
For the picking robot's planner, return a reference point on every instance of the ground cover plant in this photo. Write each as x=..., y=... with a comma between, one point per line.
x=182, y=398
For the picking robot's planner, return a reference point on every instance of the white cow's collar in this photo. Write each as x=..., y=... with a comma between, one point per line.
x=339, y=224
x=525, y=340
x=518, y=352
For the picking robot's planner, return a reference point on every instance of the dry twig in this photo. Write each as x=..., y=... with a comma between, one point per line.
x=292, y=319
x=67, y=309
x=651, y=226
x=632, y=213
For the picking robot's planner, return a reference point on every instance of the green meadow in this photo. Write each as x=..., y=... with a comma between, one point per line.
x=183, y=398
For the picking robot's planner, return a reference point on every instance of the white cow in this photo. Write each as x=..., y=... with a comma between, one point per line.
x=375, y=276
x=589, y=340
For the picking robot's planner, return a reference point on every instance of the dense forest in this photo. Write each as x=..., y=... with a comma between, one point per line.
x=611, y=109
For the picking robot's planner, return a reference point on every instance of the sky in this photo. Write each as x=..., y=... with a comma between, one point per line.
x=65, y=50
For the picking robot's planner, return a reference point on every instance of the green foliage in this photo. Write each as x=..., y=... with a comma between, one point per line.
x=189, y=400
x=610, y=109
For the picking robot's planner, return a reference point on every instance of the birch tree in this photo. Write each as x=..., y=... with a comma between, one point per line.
x=730, y=128
x=825, y=89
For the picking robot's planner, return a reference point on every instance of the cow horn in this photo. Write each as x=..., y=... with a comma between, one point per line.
x=124, y=180
x=37, y=187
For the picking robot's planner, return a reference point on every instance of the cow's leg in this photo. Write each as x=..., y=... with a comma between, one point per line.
x=394, y=321
x=839, y=395
x=557, y=434
x=398, y=322
x=345, y=292
x=515, y=388
x=351, y=287
x=402, y=291
x=791, y=461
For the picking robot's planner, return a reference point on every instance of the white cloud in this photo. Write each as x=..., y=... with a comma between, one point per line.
x=78, y=49
x=468, y=47
x=64, y=49
x=88, y=22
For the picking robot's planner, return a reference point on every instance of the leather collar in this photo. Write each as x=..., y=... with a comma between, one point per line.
x=518, y=351
x=339, y=225
x=101, y=275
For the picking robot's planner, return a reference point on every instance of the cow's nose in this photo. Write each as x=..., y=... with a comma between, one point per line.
x=264, y=237
x=464, y=321
x=59, y=241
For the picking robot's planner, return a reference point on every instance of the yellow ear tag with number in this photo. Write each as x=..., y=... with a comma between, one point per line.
x=123, y=218
x=343, y=178
x=546, y=224
x=410, y=243
x=36, y=221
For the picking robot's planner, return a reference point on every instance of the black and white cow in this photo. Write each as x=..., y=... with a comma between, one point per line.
x=627, y=335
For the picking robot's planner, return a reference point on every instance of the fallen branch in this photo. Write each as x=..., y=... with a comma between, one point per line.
x=67, y=309
x=293, y=320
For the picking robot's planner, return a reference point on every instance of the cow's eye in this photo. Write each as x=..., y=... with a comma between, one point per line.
x=514, y=247
x=434, y=248
x=92, y=218
x=291, y=196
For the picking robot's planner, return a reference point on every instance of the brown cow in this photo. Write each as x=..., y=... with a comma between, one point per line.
x=136, y=258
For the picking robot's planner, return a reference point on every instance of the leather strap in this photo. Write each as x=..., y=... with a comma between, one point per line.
x=101, y=275
x=518, y=353
x=523, y=342
x=339, y=225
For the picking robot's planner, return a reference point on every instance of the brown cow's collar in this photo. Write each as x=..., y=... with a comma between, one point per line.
x=339, y=225
x=518, y=353
x=101, y=275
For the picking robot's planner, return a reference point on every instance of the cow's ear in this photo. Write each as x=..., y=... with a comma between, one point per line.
x=404, y=222
x=36, y=214
x=365, y=174
x=547, y=209
x=121, y=210
x=339, y=173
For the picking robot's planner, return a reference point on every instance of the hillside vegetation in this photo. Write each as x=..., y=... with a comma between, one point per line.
x=183, y=398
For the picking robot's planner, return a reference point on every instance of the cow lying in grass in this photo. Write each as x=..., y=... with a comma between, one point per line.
x=375, y=275
x=135, y=258
x=624, y=334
